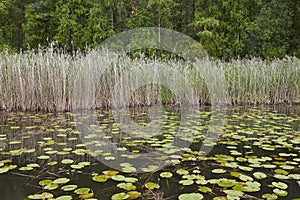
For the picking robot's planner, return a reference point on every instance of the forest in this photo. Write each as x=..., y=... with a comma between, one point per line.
x=148, y=118
x=225, y=28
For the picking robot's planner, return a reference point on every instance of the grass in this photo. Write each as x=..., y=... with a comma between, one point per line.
x=50, y=80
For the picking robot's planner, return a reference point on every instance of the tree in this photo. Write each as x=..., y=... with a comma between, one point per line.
x=39, y=26
x=269, y=34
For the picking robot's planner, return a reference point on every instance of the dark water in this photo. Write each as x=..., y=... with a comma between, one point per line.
x=26, y=136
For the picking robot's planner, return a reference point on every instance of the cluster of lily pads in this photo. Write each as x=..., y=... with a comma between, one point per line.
x=256, y=157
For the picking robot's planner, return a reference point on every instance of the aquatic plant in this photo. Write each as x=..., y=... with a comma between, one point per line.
x=49, y=79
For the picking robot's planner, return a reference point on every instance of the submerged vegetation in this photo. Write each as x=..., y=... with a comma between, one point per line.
x=56, y=81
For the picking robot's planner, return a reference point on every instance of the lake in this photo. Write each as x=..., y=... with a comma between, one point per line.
x=144, y=153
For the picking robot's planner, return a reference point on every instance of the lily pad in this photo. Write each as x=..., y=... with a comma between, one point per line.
x=67, y=188
x=61, y=180
x=191, y=196
x=218, y=171
x=82, y=191
x=281, y=193
x=152, y=186
x=100, y=178
x=166, y=174
x=64, y=197
x=134, y=194
x=120, y=196
x=3, y=170
x=259, y=175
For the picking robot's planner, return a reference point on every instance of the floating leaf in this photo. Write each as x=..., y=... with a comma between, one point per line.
x=44, y=195
x=110, y=172
x=118, y=177
x=166, y=174
x=86, y=196
x=269, y=196
x=182, y=172
x=61, y=180
x=77, y=166
x=126, y=186
x=33, y=165
x=120, y=196
x=280, y=176
x=150, y=168
x=224, y=182
x=43, y=157
x=259, y=175
x=233, y=193
x=186, y=182
x=67, y=188
x=84, y=163
x=130, y=180
x=295, y=176
x=134, y=194
x=218, y=171
x=45, y=182
x=244, y=168
x=204, y=189
x=100, y=178
x=82, y=191
x=152, y=186
x=191, y=196
x=67, y=161
x=64, y=197
x=281, y=193
x=3, y=170
x=51, y=186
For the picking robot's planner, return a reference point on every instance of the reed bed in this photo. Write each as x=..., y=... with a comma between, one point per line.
x=52, y=80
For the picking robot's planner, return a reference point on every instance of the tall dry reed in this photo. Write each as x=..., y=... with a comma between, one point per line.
x=52, y=80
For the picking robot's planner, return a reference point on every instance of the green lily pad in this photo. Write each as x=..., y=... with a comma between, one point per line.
x=44, y=195
x=224, y=182
x=152, y=186
x=233, y=193
x=130, y=179
x=280, y=185
x=280, y=193
x=134, y=194
x=218, y=171
x=100, y=178
x=67, y=161
x=204, y=189
x=67, y=188
x=75, y=166
x=82, y=191
x=166, y=174
x=45, y=182
x=120, y=196
x=110, y=172
x=51, y=186
x=259, y=175
x=269, y=196
x=191, y=196
x=126, y=186
x=186, y=182
x=118, y=177
x=150, y=168
x=64, y=197
x=3, y=170
x=25, y=168
x=33, y=165
x=61, y=180
x=43, y=157
x=182, y=172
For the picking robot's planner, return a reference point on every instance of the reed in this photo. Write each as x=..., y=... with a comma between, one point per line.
x=51, y=80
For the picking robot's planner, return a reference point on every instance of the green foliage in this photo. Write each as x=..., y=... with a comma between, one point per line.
x=226, y=28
